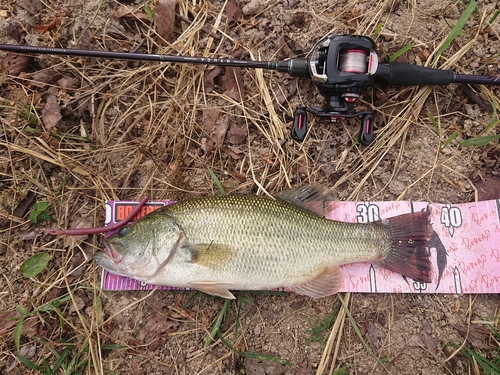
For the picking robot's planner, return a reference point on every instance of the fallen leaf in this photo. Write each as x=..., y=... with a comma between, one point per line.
x=233, y=84
x=430, y=343
x=16, y=64
x=165, y=18
x=34, y=264
x=285, y=91
x=42, y=29
x=8, y=319
x=327, y=156
x=156, y=326
x=42, y=77
x=77, y=222
x=476, y=335
x=215, y=126
x=236, y=133
x=488, y=188
x=374, y=334
x=124, y=11
x=78, y=304
x=135, y=367
x=303, y=163
x=31, y=6
x=290, y=48
x=68, y=83
x=233, y=12
x=235, y=154
x=51, y=113
x=25, y=204
x=209, y=78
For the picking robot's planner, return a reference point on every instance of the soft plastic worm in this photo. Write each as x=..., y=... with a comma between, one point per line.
x=84, y=231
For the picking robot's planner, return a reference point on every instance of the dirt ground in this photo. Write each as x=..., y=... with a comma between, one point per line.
x=78, y=131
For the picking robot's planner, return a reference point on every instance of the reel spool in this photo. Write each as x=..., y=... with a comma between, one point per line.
x=353, y=61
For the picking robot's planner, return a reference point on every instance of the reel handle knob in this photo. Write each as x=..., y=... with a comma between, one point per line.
x=366, y=132
x=299, y=128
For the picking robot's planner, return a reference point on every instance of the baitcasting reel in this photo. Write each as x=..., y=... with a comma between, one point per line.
x=341, y=67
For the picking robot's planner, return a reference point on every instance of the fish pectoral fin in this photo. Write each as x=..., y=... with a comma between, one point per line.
x=210, y=255
x=214, y=288
x=327, y=282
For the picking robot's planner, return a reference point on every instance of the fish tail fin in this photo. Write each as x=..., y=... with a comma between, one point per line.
x=409, y=252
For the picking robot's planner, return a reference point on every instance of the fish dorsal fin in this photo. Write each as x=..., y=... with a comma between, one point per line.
x=327, y=282
x=213, y=288
x=210, y=255
x=309, y=197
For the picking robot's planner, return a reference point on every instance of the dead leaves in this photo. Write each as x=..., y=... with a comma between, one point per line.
x=217, y=129
x=8, y=319
x=165, y=18
x=16, y=64
x=125, y=11
x=215, y=126
x=233, y=84
x=42, y=29
x=233, y=12
x=51, y=112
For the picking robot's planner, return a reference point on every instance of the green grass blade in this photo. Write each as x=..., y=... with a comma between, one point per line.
x=377, y=30
x=190, y=299
x=28, y=363
x=480, y=141
x=61, y=358
x=494, y=17
x=401, y=51
x=113, y=347
x=494, y=119
x=237, y=322
x=457, y=28
x=450, y=138
x=218, y=322
x=434, y=122
x=486, y=365
x=217, y=182
x=17, y=333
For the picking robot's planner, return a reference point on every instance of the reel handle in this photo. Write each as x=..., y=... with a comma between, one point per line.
x=366, y=132
x=299, y=127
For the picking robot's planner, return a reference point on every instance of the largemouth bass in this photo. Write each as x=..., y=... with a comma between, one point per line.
x=224, y=243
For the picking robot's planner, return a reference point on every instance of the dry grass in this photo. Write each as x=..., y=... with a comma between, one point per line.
x=143, y=135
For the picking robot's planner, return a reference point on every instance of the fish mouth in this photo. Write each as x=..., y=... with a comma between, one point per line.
x=111, y=252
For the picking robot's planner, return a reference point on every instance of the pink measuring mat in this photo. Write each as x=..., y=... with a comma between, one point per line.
x=465, y=247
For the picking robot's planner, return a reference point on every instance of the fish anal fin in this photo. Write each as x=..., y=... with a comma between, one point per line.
x=327, y=282
x=409, y=252
x=213, y=288
x=211, y=255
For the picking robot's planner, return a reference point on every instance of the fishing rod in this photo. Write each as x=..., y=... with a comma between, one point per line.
x=341, y=67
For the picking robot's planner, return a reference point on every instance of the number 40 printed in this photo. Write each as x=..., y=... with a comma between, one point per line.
x=451, y=218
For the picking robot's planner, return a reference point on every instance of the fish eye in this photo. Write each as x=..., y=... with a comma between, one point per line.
x=123, y=231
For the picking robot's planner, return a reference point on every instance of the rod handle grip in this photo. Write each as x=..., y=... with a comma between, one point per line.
x=401, y=74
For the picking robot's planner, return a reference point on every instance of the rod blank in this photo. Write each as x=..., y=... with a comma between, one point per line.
x=136, y=56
